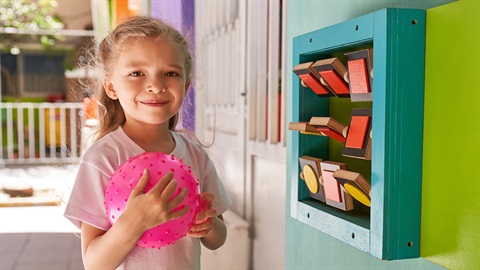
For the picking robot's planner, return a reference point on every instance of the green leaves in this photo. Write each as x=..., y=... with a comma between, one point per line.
x=24, y=21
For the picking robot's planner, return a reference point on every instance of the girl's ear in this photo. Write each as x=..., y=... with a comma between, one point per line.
x=109, y=89
x=187, y=85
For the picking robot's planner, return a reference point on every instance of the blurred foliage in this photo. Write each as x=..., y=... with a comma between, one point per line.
x=21, y=21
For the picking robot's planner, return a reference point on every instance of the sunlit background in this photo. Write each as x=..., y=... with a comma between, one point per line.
x=240, y=102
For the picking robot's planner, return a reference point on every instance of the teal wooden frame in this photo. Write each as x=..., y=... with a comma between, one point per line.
x=392, y=230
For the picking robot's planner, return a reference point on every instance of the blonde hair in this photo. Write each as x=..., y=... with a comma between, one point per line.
x=109, y=112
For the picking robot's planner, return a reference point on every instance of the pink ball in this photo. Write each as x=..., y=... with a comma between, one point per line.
x=126, y=177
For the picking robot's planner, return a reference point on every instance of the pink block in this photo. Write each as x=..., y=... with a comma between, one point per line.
x=331, y=186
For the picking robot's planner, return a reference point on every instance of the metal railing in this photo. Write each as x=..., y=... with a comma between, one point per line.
x=33, y=133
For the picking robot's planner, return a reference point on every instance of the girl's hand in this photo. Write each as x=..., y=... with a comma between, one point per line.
x=156, y=206
x=205, y=219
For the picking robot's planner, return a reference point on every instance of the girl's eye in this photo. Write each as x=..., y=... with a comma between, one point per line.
x=171, y=74
x=136, y=74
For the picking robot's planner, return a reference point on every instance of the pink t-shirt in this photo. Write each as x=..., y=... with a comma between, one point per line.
x=86, y=203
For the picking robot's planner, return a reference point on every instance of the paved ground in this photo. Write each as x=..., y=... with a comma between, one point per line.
x=40, y=251
x=33, y=236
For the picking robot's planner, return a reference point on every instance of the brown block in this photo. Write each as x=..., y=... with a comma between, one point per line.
x=329, y=127
x=355, y=184
x=311, y=79
x=334, y=73
x=304, y=128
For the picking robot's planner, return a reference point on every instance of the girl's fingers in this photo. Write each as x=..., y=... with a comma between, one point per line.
x=204, y=215
x=142, y=183
x=206, y=200
x=180, y=212
x=168, y=191
x=199, y=234
x=207, y=197
x=202, y=229
x=165, y=188
x=177, y=200
x=162, y=183
x=159, y=204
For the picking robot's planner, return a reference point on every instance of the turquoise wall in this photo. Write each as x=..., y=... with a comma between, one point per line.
x=450, y=213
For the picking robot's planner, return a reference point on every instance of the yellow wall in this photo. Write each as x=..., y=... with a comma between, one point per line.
x=451, y=167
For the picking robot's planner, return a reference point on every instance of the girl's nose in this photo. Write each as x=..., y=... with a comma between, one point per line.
x=156, y=86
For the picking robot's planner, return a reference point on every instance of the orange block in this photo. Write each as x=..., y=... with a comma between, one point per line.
x=357, y=131
x=332, y=134
x=314, y=84
x=358, y=74
x=336, y=82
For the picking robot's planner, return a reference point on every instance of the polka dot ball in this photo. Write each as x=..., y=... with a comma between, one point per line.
x=126, y=177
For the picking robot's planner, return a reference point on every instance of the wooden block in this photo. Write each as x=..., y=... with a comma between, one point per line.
x=329, y=126
x=332, y=134
x=334, y=73
x=315, y=85
x=359, y=141
x=357, y=131
x=332, y=189
x=311, y=79
x=304, y=128
x=335, y=194
x=329, y=122
x=355, y=184
x=312, y=175
x=360, y=74
x=336, y=82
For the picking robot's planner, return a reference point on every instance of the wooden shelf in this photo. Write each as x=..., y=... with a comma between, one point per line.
x=391, y=228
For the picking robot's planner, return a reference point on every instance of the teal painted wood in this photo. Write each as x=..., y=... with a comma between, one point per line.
x=334, y=225
x=401, y=63
x=339, y=35
x=379, y=178
x=398, y=38
x=293, y=137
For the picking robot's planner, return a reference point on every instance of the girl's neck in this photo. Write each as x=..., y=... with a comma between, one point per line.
x=151, y=138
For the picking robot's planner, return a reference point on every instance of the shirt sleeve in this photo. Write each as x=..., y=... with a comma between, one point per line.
x=86, y=203
x=212, y=183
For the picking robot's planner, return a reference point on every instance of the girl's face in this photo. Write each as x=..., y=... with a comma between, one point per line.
x=149, y=81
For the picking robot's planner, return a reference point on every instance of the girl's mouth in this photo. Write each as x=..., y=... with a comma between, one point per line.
x=154, y=103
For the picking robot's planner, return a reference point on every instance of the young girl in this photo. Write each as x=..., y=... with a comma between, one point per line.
x=144, y=68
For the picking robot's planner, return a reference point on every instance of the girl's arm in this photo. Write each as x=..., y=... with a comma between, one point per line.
x=108, y=249
x=217, y=236
x=209, y=227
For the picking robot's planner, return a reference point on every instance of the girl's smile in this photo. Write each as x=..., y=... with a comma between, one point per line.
x=154, y=103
